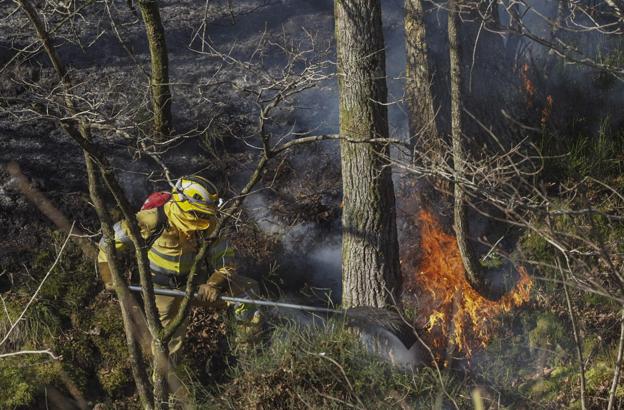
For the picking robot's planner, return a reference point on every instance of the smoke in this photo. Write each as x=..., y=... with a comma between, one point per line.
x=310, y=250
x=258, y=208
x=310, y=255
x=313, y=250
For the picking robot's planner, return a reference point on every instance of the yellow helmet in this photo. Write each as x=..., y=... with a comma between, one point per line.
x=194, y=193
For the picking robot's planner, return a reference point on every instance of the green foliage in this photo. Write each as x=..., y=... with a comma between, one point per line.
x=544, y=389
x=549, y=333
x=115, y=380
x=22, y=378
x=114, y=371
x=72, y=284
x=614, y=57
x=538, y=362
x=598, y=375
x=79, y=356
x=68, y=319
x=493, y=261
x=578, y=156
x=536, y=247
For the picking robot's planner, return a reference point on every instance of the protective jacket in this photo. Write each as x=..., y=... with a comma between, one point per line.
x=174, y=239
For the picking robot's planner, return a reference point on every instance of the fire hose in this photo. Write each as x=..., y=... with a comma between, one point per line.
x=258, y=302
x=368, y=317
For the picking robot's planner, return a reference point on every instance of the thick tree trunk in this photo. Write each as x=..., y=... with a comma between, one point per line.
x=474, y=272
x=369, y=243
x=160, y=370
x=420, y=104
x=159, y=80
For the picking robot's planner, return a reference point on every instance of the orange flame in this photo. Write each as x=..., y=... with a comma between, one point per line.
x=527, y=85
x=452, y=311
x=547, y=111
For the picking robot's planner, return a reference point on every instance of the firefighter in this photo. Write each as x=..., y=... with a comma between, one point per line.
x=174, y=231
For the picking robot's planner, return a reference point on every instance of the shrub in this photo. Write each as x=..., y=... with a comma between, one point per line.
x=322, y=367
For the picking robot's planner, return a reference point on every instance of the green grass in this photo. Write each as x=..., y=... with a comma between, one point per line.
x=579, y=156
x=68, y=319
x=322, y=368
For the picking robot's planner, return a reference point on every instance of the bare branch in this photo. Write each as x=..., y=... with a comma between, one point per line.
x=34, y=296
x=28, y=352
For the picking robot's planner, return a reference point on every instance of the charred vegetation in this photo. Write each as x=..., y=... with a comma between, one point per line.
x=497, y=126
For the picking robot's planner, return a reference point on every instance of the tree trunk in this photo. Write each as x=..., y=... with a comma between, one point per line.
x=123, y=293
x=81, y=133
x=159, y=80
x=474, y=273
x=369, y=242
x=160, y=370
x=420, y=104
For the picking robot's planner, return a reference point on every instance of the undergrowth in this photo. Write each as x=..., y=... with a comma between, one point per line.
x=581, y=173
x=70, y=318
x=323, y=367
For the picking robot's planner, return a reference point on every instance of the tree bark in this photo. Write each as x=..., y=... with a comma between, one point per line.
x=81, y=133
x=473, y=270
x=420, y=103
x=369, y=239
x=159, y=342
x=159, y=79
x=123, y=293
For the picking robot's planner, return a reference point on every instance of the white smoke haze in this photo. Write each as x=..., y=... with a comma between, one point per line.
x=310, y=254
x=258, y=208
x=311, y=251
x=238, y=28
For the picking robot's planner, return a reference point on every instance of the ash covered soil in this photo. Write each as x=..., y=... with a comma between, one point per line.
x=291, y=215
x=289, y=232
x=288, y=235
x=296, y=213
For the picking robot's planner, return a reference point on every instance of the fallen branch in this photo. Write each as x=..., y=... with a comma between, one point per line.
x=577, y=337
x=618, y=366
x=47, y=208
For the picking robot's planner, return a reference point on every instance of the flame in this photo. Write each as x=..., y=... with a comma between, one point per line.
x=451, y=310
x=527, y=85
x=547, y=111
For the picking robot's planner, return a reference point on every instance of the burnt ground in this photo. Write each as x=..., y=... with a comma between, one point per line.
x=105, y=73
x=302, y=217
x=54, y=163
x=297, y=211
x=297, y=217
x=289, y=234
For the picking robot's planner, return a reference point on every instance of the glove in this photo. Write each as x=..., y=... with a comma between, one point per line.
x=218, y=278
x=208, y=294
x=106, y=276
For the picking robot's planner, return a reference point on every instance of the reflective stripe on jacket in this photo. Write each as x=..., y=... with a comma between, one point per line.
x=172, y=252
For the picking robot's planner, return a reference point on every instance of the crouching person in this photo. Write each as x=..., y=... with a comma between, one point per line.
x=174, y=229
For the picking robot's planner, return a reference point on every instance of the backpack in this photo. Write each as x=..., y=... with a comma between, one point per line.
x=156, y=200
